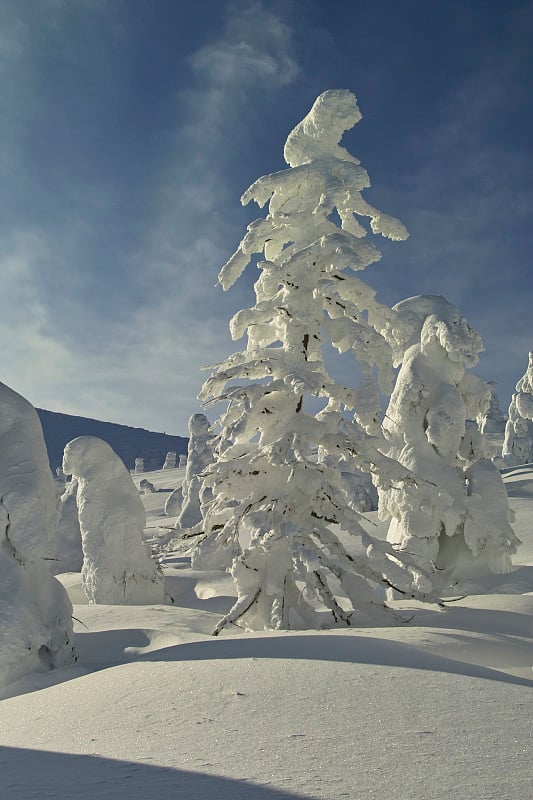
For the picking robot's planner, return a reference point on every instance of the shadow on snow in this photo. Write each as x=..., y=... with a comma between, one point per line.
x=62, y=776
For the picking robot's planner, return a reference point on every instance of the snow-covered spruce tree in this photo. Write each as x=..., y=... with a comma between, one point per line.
x=272, y=499
x=117, y=568
x=518, y=442
x=464, y=528
x=35, y=611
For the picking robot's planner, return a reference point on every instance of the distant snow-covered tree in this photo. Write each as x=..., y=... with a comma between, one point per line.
x=35, y=611
x=199, y=456
x=184, y=502
x=272, y=501
x=117, y=568
x=170, y=460
x=429, y=427
x=518, y=442
x=493, y=420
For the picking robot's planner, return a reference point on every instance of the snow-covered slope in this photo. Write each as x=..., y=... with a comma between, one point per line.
x=440, y=708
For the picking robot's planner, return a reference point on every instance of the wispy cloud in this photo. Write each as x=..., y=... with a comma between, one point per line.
x=32, y=356
x=197, y=221
x=110, y=311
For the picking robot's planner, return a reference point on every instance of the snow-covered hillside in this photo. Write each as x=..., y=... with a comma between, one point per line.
x=437, y=709
x=127, y=442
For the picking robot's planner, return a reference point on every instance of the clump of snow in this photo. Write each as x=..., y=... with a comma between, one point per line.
x=117, y=568
x=35, y=612
x=518, y=442
x=139, y=465
x=458, y=509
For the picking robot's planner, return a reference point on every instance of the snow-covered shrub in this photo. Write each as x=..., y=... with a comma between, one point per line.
x=518, y=442
x=429, y=427
x=271, y=499
x=146, y=486
x=35, y=611
x=117, y=568
x=139, y=465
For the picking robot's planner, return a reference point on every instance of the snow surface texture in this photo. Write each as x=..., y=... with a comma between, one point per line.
x=273, y=502
x=437, y=709
x=518, y=442
x=459, y=512
x=35, y=612
x=117, y=567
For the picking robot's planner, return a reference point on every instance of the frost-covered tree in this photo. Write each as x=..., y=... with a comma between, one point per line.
x=518, y=442
x=117, y=568
x=170, y=460
x=65, y=546
x=185, y=502
x=429, y=430
x=493, y=420
x=273, y=503
x=199, y=457
x=35, y=611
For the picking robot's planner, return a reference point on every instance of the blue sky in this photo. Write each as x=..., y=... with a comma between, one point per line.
x=130, y=128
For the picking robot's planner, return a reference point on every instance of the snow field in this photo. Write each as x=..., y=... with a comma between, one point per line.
x=439, y=708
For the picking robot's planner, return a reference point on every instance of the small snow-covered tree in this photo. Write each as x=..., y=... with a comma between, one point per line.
x=518, y=442
x=429, y=428
x=35, y=611
x=117, y=568
x=272, y=500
